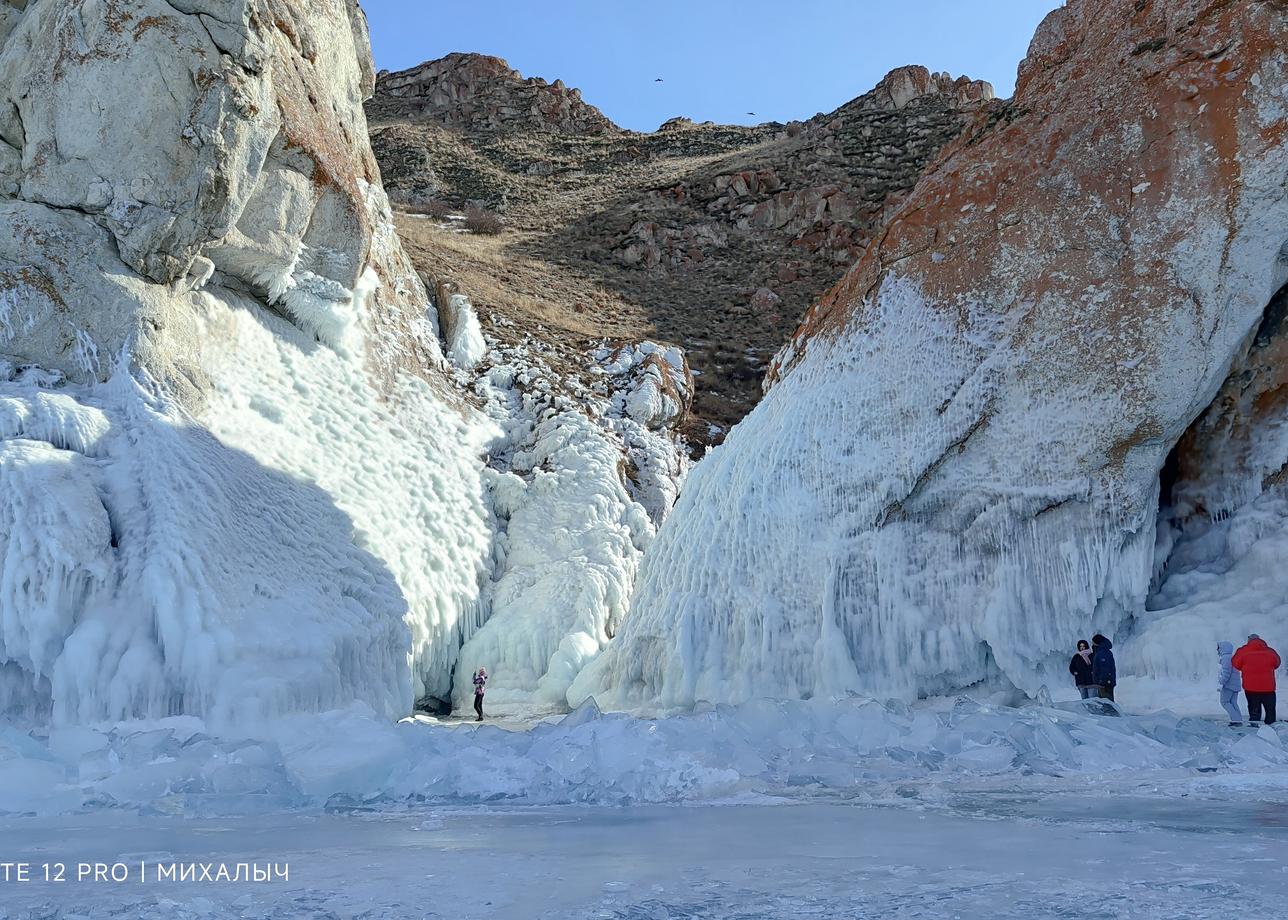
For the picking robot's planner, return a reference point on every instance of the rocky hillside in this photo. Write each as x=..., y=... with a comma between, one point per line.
x=713, y=237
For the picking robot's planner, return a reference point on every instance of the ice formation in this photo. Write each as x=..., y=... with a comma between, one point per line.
x=158, y=562
x=461, y=330
x=572, y=526
x=955, y=471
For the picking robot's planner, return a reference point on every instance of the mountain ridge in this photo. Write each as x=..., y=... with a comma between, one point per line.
x=712, y=237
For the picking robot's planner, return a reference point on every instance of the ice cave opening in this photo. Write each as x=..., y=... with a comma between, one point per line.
x=1222, y=527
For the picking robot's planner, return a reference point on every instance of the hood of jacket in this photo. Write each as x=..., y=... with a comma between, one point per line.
x=1225, y=649
x=1103, y=643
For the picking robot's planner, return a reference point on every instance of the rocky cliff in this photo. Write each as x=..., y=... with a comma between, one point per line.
x=263, y=179
x=714, y=237
x=956, y=471
x=207, y=322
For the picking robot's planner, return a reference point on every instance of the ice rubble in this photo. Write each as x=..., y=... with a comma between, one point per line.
x=855, y=748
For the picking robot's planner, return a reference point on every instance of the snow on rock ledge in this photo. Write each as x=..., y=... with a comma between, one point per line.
x=955, y=472
x=232, y=481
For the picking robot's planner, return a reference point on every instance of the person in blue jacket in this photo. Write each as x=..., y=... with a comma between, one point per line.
x=1230, y=682
x=1104, y=673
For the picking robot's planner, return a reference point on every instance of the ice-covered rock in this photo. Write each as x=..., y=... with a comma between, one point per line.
x=233, y=481
x=955, y=472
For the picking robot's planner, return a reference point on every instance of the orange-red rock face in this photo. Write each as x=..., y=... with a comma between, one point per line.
x=1123, y=214
x=1130, y=129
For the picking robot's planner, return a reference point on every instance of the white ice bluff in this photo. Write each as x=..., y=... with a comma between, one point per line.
x=236, y=478
x=225, y=489
x=955, y=472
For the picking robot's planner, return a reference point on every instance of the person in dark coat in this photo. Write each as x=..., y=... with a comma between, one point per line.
x=1257, y=663
x=480, y=687
x=1104, y=673
x=1080, y=668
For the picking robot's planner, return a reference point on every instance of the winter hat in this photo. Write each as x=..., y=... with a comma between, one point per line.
x=1252, y=636
x=1097, y=639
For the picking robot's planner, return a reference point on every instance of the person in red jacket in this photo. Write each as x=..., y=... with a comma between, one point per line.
x=1257, y=662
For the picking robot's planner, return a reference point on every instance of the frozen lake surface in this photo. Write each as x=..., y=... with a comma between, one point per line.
x=980, y=855
x=772, y=809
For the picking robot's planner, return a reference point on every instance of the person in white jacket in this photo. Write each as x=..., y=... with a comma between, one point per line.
x=1230, y=681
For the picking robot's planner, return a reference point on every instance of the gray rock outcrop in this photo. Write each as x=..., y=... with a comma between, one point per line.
x=238, y=156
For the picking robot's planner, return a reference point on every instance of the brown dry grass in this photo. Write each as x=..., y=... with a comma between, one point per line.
x=526, y=291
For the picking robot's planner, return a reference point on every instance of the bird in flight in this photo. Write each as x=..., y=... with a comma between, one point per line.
x=751, y=113
x=658, y=80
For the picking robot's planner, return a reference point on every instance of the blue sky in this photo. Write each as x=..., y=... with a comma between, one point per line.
x=719, y=59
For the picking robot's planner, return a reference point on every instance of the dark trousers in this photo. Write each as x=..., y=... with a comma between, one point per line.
x=1106, y=691
x=478, y=704
x=1259, y=701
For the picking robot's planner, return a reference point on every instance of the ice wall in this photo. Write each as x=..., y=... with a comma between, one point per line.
x=822, y=550
x=954, y=472
x=572, y=523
